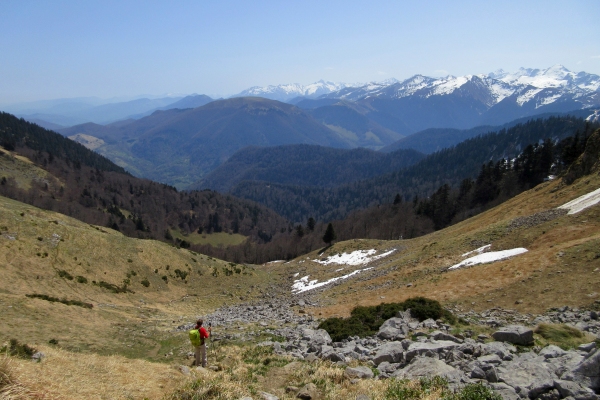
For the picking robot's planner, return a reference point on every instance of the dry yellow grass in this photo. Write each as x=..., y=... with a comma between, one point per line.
x=67, y=375
x=561, y=267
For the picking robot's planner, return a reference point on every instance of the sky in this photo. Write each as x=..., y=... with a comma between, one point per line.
x=108, y=49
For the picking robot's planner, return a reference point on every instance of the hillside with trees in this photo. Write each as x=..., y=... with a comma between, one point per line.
x=305, y=165
x=77, y=182
x=448, y=166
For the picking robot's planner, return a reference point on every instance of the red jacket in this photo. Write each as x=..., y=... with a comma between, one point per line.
x=203, y=332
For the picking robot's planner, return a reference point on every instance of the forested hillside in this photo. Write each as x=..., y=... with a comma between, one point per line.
x=61, y=175
x=306, y=165
x=449, y=166
x=494, y=184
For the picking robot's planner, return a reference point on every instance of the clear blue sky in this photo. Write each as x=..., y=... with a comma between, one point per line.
x=71, y=48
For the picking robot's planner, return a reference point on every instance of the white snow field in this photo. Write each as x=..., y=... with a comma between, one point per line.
x=492, y=256
x=582, y=202
x=358, y=257
x=303, y=284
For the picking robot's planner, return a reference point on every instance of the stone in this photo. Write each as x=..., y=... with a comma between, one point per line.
x=588, y=371
x=183, y=369
x=363, y=397
x=587, y=347
x=359, y=372
x=292, y=389
x=491, y=375
x=490, y=359
x=569, y=388
x=428, y=367
x=507, y=392
x=392, y=352
x=267, y=396
x=421, y=348
x=311, y=358
x=477, y=373
x=528, y=374
x=439, y=335
x=429, y=323
x=552, y=351
x=501, y=349
x=308, y=392
x=515, y=334
x=333, y=356
x=321, y=337
x=37, y=356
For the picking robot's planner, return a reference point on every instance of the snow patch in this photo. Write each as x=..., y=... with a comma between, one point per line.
x=303, y=284
x=357, y=257
x=488, y=257
x=582, y=202
x=479, y=250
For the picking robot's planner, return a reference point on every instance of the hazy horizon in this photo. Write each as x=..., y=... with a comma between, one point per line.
x=70, y=49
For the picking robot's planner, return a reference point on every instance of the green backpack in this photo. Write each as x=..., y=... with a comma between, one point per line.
x=195, y=337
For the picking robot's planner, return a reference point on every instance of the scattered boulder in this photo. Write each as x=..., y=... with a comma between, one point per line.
x=392, y=352
x=308, y=392
x=267, y=396
x=422, y=348
x=359, y=372
x=515, y=334
x=427, y=367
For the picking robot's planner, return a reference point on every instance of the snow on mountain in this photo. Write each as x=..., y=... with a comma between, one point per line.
x=542, y=86
x=289, y=91
x=527, y=86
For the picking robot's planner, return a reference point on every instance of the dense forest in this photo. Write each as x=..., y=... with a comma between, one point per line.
x=495, y=183
x=449, y=166
x=89, y=187
x=303, y=164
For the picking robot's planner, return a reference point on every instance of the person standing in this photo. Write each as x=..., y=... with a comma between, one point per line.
x=201, y=350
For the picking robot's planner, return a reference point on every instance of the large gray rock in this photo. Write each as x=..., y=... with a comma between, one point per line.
x=587, y=373
x=267, y=396
x=528, y=374
x=569, y=388
x=503, y=350
x=360, y=372
x=515, y=334
x=320, y=337
x=507, y=392
x=393, y=328
x=308, y=392
x=422, y=348
x=428, y=367
x=552, y=351
x=391, y=352
x=439, y=335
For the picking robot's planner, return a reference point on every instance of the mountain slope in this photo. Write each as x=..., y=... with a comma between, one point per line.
x=180, y=146
x=450, y=166
x=304, y=165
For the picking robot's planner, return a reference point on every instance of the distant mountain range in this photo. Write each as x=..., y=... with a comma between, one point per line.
x=60, y=113
x=180, y=146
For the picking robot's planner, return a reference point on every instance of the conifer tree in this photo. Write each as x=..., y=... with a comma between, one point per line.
x=330, y=235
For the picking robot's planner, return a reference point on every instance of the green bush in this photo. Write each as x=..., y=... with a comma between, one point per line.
x=62, y=301
x=16, y=349
x=81, y=279
x=475, y=391
x=145, y=282
x=366, y=321
x=112, y=287
x=64, y=274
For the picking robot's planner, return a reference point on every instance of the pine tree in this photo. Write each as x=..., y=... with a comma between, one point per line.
x=330, y=235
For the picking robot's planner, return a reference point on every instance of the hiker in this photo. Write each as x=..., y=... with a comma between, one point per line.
x=201, y=349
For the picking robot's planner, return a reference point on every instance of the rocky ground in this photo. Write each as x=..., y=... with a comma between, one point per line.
x=407, y=348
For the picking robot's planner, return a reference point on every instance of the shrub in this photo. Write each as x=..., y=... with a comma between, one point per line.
x=164, y=278
x=181, y=274
x=62, y=301
x=16, y=349
x=81, y=279
x=366, y=321
x=112, y=287
x=64, y=274
x=475, y=391
x=145, y=282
